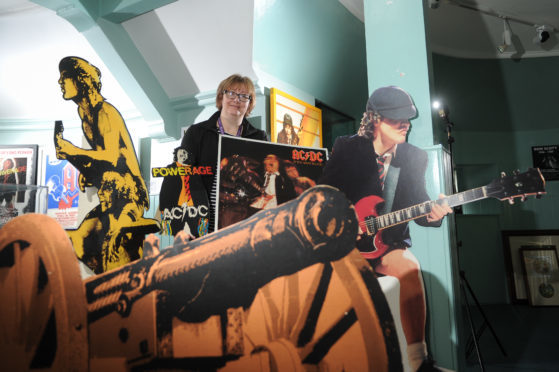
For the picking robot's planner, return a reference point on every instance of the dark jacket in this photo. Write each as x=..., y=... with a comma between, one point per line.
x=201, y=141
x=353, y=169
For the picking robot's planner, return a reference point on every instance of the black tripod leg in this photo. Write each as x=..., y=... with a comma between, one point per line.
x=463, y=276
x=470, y=344
x=471, y=323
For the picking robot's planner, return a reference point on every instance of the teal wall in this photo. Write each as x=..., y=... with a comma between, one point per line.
x=317, y=46
x=397, y=54
x=500, y=109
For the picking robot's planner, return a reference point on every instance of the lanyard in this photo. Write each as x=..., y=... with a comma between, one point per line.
x=222, y=131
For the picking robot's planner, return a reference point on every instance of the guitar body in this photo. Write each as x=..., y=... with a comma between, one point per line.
x=370, y=245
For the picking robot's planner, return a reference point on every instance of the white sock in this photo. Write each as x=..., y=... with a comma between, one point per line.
x=417, y=352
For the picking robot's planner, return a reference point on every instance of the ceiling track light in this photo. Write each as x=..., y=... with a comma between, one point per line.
x=507, y=37
x=543, y=33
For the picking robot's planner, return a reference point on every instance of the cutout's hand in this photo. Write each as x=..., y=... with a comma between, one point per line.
x=439, y=210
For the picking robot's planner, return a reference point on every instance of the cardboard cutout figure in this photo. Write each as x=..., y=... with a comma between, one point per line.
x=380, y=172
x=284, y=290
x=183, y=201
x=111, y=234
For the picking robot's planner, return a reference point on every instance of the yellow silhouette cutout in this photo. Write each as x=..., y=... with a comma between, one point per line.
x=111, y=234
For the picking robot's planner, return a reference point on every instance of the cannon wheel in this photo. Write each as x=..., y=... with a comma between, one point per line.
x=327, y=317
x=43, y=321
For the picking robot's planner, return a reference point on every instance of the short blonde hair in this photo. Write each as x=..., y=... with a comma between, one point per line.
x=236, y=80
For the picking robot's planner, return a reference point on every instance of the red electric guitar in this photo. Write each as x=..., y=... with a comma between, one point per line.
x=371, y=243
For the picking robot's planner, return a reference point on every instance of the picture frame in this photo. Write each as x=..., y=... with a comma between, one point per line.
x=24, y=159
x=513, y=242
x=546, y=158
x=541, y=271
x=61, y=178
x=19, y=192
x=306, y=120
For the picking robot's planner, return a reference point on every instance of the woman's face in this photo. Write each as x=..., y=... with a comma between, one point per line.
x=233, y=106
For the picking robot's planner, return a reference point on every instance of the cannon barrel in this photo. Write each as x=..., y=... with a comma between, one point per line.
x=226, y=268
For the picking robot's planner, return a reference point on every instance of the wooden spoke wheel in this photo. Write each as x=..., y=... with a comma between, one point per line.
x=327, y=317
x=43, y=321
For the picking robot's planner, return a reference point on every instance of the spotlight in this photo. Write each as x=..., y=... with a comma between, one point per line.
x=542, y=34
x=441, y=109
x=507, y=37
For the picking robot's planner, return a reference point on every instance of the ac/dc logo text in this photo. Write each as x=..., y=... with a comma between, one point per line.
x=311, y=156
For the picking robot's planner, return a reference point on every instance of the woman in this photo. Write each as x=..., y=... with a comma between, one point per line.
x=235, y=100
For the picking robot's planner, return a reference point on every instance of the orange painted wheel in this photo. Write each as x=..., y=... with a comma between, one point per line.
x=43, y=321
x=327, y=317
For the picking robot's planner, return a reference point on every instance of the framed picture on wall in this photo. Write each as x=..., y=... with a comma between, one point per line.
x=541, y=272
x=513, y=243
x=18, y=164
x=546, y=158
x=294, y=122
x=18, y=172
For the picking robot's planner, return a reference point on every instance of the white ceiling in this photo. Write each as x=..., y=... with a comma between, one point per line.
x=36, y=38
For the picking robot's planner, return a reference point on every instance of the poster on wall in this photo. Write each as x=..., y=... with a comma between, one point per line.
x=18, y=167
x=161, y=153
x=547, y=159
x=293, y=121
x=61, y=178
x=257, y=175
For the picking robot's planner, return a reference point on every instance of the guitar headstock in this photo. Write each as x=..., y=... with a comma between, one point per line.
x=518, y=185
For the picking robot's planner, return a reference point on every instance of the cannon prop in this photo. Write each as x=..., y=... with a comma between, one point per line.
x=284, y=290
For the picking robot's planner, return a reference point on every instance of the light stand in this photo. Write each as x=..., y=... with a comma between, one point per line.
x=473, y=342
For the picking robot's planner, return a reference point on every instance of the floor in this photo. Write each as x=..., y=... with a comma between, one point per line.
x=529, y=335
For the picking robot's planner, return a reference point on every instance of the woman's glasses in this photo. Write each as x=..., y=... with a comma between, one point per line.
x=232, y=95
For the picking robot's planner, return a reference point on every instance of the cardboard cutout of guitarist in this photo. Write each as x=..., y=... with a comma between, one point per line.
x=111, y=234
x=380, y=172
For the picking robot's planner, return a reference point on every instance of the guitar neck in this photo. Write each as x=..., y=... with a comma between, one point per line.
x=423, y=209
x=464, y=197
